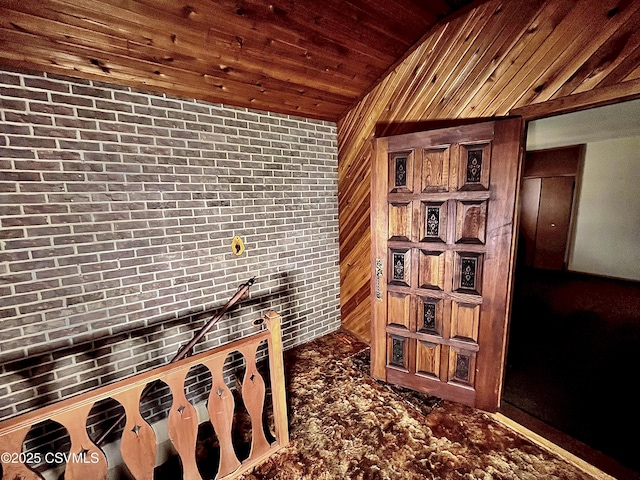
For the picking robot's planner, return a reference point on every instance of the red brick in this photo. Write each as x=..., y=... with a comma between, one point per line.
x=28, y=118
x=33, y=165
x=8, y=312
x=9, y=79
x=21, y=176
x=51, y=109
x=23, y=93
x=39, y=307
x=54, y=132
x=70, y=239
x=58, y=155
x=21, y=199
x=52, y=252
x=44, y=209
x=22, y=221
x=48, y=231
x=32, y=142
x=36, y=286
x=7, y=104
x=44, y=84
x=59, y=272
x=71, y=100
x=19, y=300
x=16, y=153
x=14, y=129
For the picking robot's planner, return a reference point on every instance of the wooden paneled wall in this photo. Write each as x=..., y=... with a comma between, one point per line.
x=533, y=58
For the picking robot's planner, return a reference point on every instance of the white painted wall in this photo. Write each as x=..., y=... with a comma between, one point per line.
x=607, y=233
x=593, y=125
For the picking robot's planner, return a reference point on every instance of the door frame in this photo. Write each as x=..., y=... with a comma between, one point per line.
x=587, y=459
x=549, y=108
x=598, y=97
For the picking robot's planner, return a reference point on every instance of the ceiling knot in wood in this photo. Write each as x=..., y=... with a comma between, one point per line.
x=277, y=11
x=100, y=65
x=19, y=28
x=188, y=11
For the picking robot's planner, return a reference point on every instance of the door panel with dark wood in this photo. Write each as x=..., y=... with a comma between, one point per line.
x=552, y=234
x=443, y=207
x=550, y=179
x=530, y=206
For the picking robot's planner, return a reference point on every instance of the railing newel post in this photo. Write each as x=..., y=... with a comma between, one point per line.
x=276, y=371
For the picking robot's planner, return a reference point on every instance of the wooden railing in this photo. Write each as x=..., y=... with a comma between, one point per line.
x=138, y=442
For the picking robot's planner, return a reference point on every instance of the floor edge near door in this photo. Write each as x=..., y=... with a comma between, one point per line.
x=573, y=451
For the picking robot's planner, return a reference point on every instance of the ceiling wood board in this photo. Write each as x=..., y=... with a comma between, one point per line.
x=306, y=58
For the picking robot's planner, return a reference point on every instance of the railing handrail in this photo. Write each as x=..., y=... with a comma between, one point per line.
x=107, y=391
x=138, y=443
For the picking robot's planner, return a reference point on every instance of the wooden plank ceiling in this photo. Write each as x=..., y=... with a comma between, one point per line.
x=311, y=58
x=532, y=58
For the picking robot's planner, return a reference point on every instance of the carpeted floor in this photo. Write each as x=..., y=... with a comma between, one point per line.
x=346, y=425
x=573, y=356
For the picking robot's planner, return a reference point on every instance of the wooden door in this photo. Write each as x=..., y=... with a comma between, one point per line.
x=549, y=181
x=552, y=232
x=529, y=209
x=443, y=206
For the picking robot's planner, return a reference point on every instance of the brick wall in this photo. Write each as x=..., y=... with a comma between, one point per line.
x=117, y=211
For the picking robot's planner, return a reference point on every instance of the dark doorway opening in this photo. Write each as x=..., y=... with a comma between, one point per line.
x=573, y=357
x=573, y=360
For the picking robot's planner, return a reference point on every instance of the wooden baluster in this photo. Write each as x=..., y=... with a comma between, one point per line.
x=221, y=406
x=276, y=369
x=183, y=425
x=86, y=460
x=253, y=394
x=138, y=446
x=11, y=443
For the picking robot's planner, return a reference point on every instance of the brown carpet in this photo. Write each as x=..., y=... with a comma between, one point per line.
x=346, y=425
x=573, y=344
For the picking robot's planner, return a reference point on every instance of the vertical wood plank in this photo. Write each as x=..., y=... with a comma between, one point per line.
x=12, y=443
x=87, y=460
x=221, y=406
x=253, y=394
x=183, y=425
x=138, y=446
x=276, y=369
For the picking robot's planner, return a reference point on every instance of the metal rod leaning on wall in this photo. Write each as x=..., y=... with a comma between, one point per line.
x=184, y=351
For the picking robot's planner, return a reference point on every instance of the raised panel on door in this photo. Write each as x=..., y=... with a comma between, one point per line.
x=428, y=359
x=471, y=221
x=399, y=310
x=434, y=169
x=443, y=206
